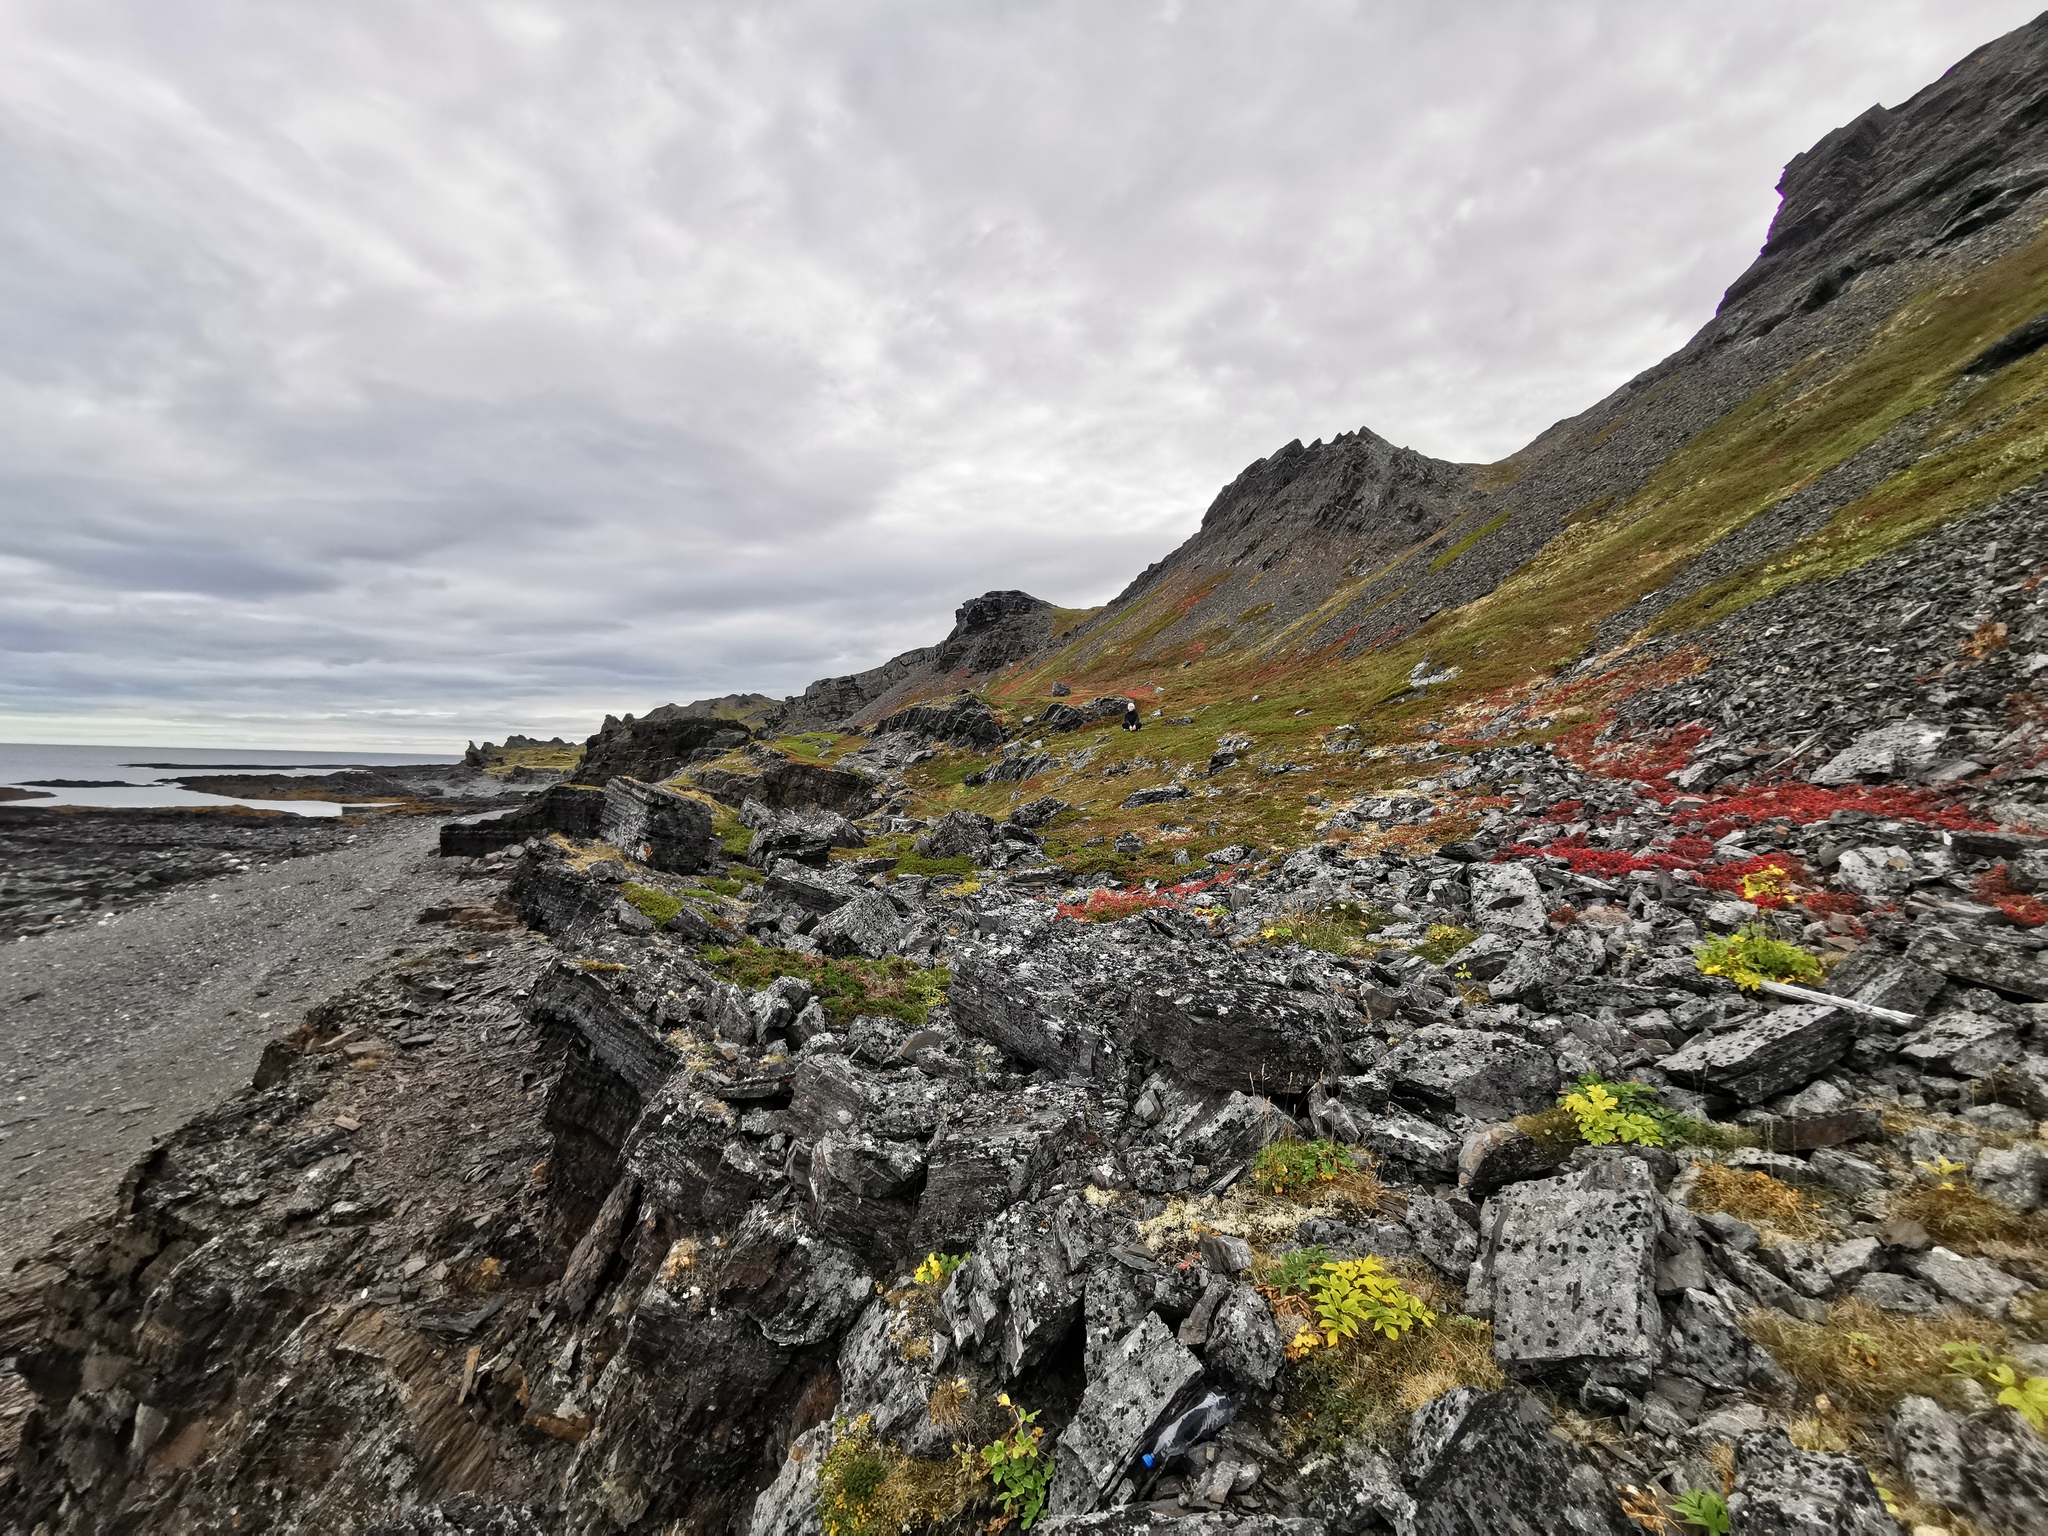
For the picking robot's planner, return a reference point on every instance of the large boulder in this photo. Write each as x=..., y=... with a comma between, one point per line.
x=654, y=748
x=965, y=720
x=1144, y=1379
x=958, y=834
x=1567, y=1267
x=1229, y=1031
x=1775, y=1054
x=867, y=925
x=1486, y=1463
x=657, y=826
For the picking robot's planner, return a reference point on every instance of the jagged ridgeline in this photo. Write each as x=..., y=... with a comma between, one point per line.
x=1544, y=1028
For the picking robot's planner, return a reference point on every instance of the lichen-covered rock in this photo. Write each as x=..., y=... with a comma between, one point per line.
x=1145, y=1377
x=1780, y=1491
x=1507, y=899
x=1482, y=1075
x=1567, y=1269
x=1753, y=1062
x=1926, y=1443
x=1484, y=1463
x=1244, y=1346
x=867, y=925
x=1703, y=1342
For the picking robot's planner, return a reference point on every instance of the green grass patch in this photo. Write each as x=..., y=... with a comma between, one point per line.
x=1469, y=540
x=1342, y=928
x=659, y=906
x=1441, y=942
x=957, y=868
x=891, y=987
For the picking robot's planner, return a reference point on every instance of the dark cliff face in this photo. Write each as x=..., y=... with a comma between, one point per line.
x=989, y=632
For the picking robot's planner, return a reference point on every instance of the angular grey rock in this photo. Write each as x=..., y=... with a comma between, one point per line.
x=2005, y=1468
x=1483, y=1075
x=1780, y=1491
x=1895, y=1293
x=1507, y=899
x=1891, y=750
x=657, y=826
x=1705, y=1344
x=1779, y=1052
x=1442, y=1236
x=1963, y=1045
x=1244, y=1342
x=1160, y=795
x=1532, y=975
x=1876, y=873
x=1142, y=1520
x=788, y=1506
x=985, y=1158
x=1486, y=1463
x=867, y=925
x=1983, y=961
x=1926, y=1442
x=1227, y=1031
x=1359, y=1490
x=1975, y=1283
x=1145, y=1375
x=957, y=834
x=1568, y=1266
x=1414, y=1141
x=1226, y=1255
x=1484, y=958
x=2014, y=1176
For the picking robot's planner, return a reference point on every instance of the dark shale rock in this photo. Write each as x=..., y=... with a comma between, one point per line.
x=1229, y=1032
x=662, y=829
x=964, y=720
x=651, y=750
x=572, y=809
x=1481, y=1463
x=1145, y=1378
x=1779, y=1052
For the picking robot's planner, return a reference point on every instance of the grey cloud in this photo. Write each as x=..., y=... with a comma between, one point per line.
x=394, y=374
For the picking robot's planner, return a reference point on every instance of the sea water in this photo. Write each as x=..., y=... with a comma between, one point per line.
x=141, y=776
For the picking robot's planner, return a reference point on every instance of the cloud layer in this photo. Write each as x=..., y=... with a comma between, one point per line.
x=388, y=374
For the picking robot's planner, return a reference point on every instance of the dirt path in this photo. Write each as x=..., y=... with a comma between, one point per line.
x=115, y=1033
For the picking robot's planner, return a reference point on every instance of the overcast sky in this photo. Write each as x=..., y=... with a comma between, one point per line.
x=389, y=374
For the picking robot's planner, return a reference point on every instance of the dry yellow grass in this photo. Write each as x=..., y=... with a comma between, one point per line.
x=1759, y=1199
x=1865, y=1360
x=1958, y=1217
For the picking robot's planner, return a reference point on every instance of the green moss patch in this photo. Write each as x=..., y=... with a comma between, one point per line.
x=891, y=987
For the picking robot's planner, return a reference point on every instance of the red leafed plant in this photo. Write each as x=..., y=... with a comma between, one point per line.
x=1994, y=889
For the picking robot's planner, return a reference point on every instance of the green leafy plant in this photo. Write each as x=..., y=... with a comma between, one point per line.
x=2025, y=1395
x=938, y=1268
x=1018, y=1467
x=1604, y=1119
x=1750, y=957
x=1359, y=1293
x=1297, y=1267
x=1289, y=1167
x=1704, y=1508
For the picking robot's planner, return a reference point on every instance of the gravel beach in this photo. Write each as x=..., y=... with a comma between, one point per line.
x=115, y=1032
